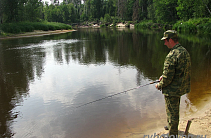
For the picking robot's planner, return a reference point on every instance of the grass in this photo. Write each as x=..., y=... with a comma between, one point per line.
x=144, y=25
x=185, y=27
x=204, y=28
x=22, y=27
x=192, y=26
x=149, y=24
x=199, y=25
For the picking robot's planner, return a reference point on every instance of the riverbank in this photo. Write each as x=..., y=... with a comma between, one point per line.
x=200, y=124
x=97, y=25
x=35, y=34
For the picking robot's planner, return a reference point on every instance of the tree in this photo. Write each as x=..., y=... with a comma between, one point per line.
x=69, y=11
x=1, y=11
x=199, y=8
x=121, y=8
x=111, y=7
x=151, y=12
x=136, y=8
x=21, y=10
x=165, y=11
x=185, y=9
x=97, y=8
x=193, y=8
x=206, y=4
x=10, y=10
x=33, y=10
x=143, y=4
x=129, y=10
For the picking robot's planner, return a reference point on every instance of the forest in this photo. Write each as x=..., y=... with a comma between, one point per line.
x=104, y=11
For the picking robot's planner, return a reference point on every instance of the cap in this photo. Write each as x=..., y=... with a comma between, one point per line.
x=170, y=34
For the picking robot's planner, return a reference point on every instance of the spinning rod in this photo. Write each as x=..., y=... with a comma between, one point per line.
x=117, y=93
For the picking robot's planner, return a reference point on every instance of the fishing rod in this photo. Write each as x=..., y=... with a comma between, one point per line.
x=117, y=93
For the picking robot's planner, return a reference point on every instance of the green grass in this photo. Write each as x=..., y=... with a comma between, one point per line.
x=102, y=25
x=144, y=25
x=185, y=27
x=192, y=26
x=199, y=25
x=22, y=27
x=149, y=24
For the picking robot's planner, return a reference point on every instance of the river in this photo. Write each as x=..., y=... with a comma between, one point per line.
x=44, y=79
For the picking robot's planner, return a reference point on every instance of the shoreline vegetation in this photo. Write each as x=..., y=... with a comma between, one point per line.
x=191, y=26
x=180, y=15
x=35, y=33
x=201, y=26
x=23, y=29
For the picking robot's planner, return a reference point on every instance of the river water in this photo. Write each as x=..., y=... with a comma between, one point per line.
x=44, y=79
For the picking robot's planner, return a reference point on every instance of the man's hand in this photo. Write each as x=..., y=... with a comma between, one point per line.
x=156, y=86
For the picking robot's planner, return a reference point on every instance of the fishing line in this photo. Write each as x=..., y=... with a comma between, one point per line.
x=117, y=94
x=75, y=108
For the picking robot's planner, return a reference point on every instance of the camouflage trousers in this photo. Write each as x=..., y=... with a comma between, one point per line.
x=172, y=110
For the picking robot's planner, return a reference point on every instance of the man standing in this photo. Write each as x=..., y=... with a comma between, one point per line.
x=175, y=80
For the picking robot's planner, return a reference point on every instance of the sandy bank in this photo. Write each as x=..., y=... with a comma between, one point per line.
x=36, y=33
x=199, y=128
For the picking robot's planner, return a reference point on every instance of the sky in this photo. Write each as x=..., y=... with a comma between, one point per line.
x=50, y=1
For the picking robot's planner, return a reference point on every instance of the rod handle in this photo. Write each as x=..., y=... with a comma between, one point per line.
x=154, y=82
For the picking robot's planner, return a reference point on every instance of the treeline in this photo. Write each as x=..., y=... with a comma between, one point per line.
x=182, y=15
x=75, y=11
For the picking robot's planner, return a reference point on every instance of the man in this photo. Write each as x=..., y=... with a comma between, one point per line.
x=175, y=80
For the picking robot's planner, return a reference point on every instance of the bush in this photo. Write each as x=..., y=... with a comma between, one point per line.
x=107, y=18
x=115, y=20
x=26, y=27
x=11, y=28
x=40, y=26
x=197, y=21
x=102, y=25
x=128, y=23
x=204, y=28
x=201, y=25
x=59, y=26
x=185, y=27
x=144, y=25
x=31, y=26
x=51, y=27
x=102, y=20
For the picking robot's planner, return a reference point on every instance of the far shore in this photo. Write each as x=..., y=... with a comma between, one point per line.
x=35, y=33
x=42, y=33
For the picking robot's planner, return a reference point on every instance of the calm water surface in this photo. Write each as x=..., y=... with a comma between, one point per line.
x=43, y=80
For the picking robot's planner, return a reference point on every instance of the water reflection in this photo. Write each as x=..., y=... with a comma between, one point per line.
x=44, y=78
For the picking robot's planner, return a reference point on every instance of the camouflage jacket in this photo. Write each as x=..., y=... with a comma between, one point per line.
x=176, y=72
